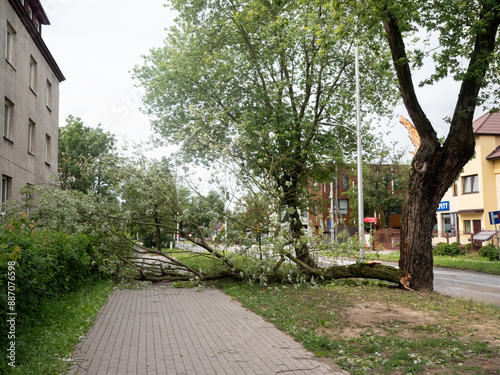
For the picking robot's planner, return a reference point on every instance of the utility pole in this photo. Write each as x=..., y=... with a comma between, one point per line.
x=361, y=228
x=332, y=237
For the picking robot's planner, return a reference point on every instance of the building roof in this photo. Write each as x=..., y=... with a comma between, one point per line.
x=487, y=124
x=34, y=33
x=494, y=155
x=39, y=12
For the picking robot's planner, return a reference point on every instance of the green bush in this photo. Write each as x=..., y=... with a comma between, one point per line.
x=37, y=265
x=489, y=251
x=451, y=250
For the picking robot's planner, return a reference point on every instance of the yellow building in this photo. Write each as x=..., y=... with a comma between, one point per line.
x=464, y=209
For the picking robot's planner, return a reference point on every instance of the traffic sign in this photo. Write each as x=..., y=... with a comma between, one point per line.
x=370, y=220
x=494, y=217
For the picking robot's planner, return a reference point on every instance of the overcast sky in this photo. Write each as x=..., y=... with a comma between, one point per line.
x=96, y=43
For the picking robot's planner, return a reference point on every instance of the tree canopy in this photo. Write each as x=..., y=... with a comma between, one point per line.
x=259, y=82
x=82, y=151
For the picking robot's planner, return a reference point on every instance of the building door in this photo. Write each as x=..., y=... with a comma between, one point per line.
x=477, y=226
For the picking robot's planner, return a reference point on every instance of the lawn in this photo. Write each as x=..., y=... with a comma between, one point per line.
x=372, y=328
x=45, y=346
x=472, y=262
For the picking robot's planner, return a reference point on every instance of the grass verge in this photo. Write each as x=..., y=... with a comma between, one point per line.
x=471, y=262
x=45, y=346
x=369, y=328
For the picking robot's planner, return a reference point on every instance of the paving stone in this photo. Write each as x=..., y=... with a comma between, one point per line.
x=175, y=331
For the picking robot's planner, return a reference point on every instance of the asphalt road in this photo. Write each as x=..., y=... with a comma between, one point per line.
x=481, y=287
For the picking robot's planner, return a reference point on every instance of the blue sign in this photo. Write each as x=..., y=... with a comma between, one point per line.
x=494, y=217
x=444, y=206
x=452, y=225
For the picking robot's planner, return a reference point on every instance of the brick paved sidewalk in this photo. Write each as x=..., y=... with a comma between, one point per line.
x=164, y=330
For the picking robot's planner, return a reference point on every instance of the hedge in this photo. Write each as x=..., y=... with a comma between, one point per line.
x=36, y=265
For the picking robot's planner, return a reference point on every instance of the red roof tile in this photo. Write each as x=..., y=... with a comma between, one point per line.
x=494, y=155
x=487, y=124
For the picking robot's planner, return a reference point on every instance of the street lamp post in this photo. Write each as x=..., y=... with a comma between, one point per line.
x=361, y=228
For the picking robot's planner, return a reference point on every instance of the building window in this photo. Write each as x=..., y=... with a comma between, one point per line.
x=37, y=25
x=8, y=118
x=467, y=226
x=455, y=189
x=10, y=45
x=345, y=182
x=33, y=74
x=48, y=100
x=470, y=184
x=47, y=148
x=6, y=187
x=28, y=198
x=343, y=206
x=31, y=137
x=30, y=13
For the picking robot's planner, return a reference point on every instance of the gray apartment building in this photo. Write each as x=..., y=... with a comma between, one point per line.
x=29, y=89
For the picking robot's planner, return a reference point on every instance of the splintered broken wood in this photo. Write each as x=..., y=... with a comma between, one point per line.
x=413, y=134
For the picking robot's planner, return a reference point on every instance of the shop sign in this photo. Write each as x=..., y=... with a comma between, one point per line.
x=444, y=206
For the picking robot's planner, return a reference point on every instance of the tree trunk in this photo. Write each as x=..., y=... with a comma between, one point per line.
x=157, y=232
x=369, y=270
x=429, y=181
x=436, y=166
x=290, y=183
x=301, y=247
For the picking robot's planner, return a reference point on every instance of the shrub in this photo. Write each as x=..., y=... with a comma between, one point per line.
x=41, y=265
x=489, y=251
x=446, y=249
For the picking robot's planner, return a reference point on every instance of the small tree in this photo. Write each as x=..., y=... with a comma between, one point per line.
x=385, y=183
x=385, y=180
x=151, y=199
x=83, y=157
x=206, y=211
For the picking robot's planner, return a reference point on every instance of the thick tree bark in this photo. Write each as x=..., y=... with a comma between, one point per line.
x=369, y=271
x=436, y=166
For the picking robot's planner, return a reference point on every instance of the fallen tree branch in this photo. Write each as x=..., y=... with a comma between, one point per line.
x=370, y=270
